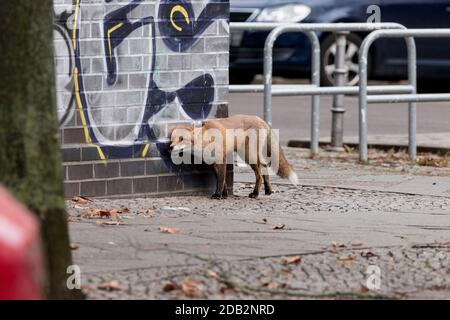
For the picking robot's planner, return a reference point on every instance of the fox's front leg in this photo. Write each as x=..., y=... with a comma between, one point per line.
x=259, y=181
x=221, y=174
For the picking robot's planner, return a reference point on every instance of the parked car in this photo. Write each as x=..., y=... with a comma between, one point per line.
x=292, y=50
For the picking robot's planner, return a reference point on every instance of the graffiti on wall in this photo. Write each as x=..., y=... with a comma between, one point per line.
x=114, y=65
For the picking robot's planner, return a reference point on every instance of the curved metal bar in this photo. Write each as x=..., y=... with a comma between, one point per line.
x=315, y=79
x=310, y=31
x=318, y=27
x=409, y=36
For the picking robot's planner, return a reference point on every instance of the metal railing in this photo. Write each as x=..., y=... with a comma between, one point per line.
x=314, y=89
x=412, y=98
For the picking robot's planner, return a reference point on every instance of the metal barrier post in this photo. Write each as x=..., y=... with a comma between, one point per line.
x=412, y=107
x=315, y=79
x=340, y=79
x=363, y=98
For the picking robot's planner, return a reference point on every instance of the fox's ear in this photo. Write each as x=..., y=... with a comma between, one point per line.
x=187, y=127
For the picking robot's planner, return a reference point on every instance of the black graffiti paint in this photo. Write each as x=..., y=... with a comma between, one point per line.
x=196, y=97
x=116, y=28
x=60, y=26
x=179, y=25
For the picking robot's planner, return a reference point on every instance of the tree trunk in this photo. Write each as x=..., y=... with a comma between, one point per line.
x=30, y=160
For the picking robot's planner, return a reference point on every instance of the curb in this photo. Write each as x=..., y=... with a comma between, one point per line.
x=381, y=146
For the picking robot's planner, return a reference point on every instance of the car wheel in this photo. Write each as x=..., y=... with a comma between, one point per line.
x=328, y=58
x=239, y=77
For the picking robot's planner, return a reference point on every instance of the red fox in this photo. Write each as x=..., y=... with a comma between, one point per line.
x=187, y=138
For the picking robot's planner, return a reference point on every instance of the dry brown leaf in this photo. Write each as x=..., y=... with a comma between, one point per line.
x=368, y=254
x=212, y=274
x=81, y=200
x=192, y=288
x=271, y=285
x=279, y=227
x=347, y=261
x=292, y=260
x=170, y=286
x=108, y=223
x=149, y=213
x=100, y=213
x=113, y=285
x=74, y=246
x=336, y=247
x=364, y=289
x=169, y=230
x=86, y=288
x=286, y=270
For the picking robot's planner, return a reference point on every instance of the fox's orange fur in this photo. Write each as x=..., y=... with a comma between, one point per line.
x=243, y=123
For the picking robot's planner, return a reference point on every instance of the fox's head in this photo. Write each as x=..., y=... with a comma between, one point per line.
x=183, y=138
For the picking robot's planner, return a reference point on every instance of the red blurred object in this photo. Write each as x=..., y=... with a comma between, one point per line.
x=21, y=260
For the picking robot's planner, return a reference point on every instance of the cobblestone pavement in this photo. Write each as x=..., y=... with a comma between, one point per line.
x=348, y=229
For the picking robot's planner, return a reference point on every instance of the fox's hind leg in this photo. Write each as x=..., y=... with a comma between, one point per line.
x=221, y=174
x=259, y=181
x=267, y=186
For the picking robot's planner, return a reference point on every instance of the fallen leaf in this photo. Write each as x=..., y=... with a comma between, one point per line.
x=108, y=223
x=286, y=270
x=192, y=288
x=169, y=230
x=86, y=288
x=368, y=254
x=79, y=207
x=170, y=286
x=364, y=289
x=336, y=247
x=279, y=227
x=292, y=260
x=347, y=261
x=110, y=286
x=74, y=246
x=81, y=200
x=147, y=213
x=95, y=213
x=212, y=274
x=271, y=285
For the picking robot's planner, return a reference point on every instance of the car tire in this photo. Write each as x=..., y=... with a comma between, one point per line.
x=239, y=77
x=328, y=49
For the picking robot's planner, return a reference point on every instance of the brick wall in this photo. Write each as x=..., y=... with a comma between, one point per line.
x=127, y=70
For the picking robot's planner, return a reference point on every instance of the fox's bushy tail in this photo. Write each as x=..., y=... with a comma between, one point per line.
x=285, y=169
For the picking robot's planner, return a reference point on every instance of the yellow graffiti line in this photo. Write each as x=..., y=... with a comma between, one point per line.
x=110, y=31
x=145, y=151
x=80, y=107
x=74, y=35
x=182, y=10
x=101, y=154
x=83, y=118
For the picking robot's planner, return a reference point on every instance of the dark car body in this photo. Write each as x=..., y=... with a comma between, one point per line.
x=388, y=56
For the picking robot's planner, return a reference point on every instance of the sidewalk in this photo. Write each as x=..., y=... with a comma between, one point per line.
x=426, y=142
x=316, y=240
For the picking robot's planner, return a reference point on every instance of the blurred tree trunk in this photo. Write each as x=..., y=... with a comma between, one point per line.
x=30, y=160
